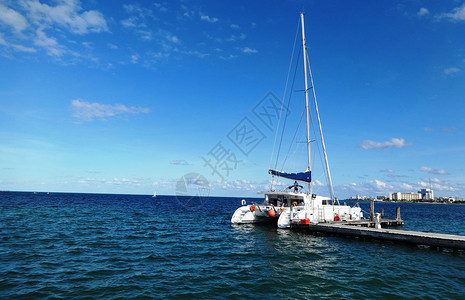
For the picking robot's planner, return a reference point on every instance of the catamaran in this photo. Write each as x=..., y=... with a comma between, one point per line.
x=295, y=204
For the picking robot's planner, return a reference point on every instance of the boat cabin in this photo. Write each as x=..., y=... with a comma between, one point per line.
x=277, y=199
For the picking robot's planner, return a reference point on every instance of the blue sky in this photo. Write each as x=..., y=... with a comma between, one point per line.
x=143, y=96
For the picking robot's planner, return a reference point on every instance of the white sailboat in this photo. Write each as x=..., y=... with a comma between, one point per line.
x=295, y=205
x=154, y=195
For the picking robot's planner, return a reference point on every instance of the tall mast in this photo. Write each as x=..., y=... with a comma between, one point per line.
x=331, y=189
x=304, y=45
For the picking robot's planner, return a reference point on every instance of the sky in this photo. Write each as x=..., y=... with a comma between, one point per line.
x=181, y=97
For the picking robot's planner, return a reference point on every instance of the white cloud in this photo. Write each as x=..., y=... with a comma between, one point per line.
x=405, y=187
x=172, y=38
x=378, y=184
x=249, y=50
x=236, y=185
x=145, y=34
x=456, y=15
x=433, y=171
x=130, y=23
x=423, y=12
x=160, y=7
x=234, y=26
x=437, y=185
x=87, y=111
x=137, y=10
x=394, y=142
x=12, y=18
x=40, y=21
x=449, y=128
x=371, y=187
x=451, y=70
x=67, y=13
x=208, y=19
x=135, y=58
x=16, y=47
x=180, y=162
x=318, y=183
x=387, y=171
x=51, y=45
x=234, y=38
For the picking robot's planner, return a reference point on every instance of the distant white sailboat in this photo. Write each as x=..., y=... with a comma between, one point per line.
x=294, y=205
x=154, y=195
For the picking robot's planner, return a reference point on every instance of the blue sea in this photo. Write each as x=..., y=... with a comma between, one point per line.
x=73, y=246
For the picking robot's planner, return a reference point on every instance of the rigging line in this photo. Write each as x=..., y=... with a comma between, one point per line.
x=292, y=141
x=284, y=97
x=321, y=135
x=285, y=117
x=320, y=156
x=318, y=148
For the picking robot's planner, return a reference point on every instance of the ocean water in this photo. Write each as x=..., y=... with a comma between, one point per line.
x=74, y=246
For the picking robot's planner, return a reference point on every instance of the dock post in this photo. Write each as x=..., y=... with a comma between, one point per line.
x=372, y=210
x=398, y=214
x=382, y=213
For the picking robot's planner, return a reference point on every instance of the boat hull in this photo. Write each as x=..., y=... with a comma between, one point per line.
x=284, y=208
x=249, y=214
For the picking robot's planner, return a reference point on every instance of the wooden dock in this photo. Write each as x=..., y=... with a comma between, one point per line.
x=436, y=240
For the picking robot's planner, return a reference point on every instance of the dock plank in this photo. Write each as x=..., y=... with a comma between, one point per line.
x=403, y=236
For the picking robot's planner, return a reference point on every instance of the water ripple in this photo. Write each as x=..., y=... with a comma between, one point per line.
x=116, y=246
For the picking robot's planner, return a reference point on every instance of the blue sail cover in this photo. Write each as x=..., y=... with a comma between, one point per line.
x=302, y=176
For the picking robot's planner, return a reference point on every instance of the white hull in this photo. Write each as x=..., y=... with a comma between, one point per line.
x=243, y=215
x=284, y=208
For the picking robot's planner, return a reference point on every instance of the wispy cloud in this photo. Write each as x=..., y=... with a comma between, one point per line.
x=437, y=184
x=394, y=142
x=131, y=23
x=387, y=171
x=456, y=15
x=451, y=70
x=45, y=24
x=16, y=47
x=449, y=128
x=87, y=111
x=236, y=185
x=377, y=187
x=249, y=50
x=135, y=58
x=423, y=12
x=114, y=181
x=13, y=19
x=433, y=171
x=180, y=162
x=50, y=44
x=66, y=14
x=369, y=187
x=208, y=19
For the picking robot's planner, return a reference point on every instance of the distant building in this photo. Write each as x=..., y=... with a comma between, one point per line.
x=427, y=194
x=362, y=198
x=405, y=196
x=446, y=199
